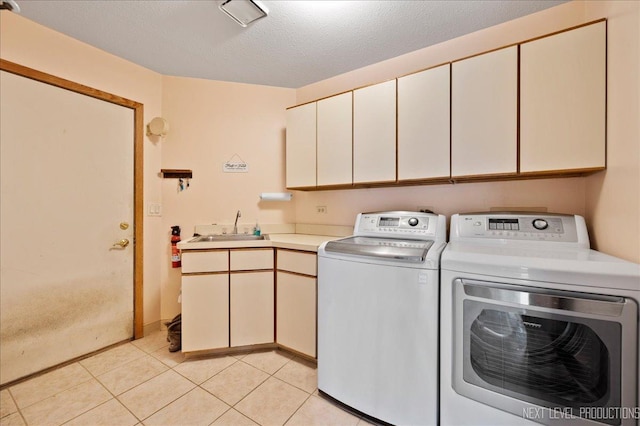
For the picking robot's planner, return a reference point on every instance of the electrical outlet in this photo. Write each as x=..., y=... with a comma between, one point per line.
x=321, y=209
x=425, y=209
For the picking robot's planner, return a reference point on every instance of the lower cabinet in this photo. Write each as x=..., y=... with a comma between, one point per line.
x=252, y=308
x=227, y=298
x=296, y=291
x=205, y=312
x=230, y=299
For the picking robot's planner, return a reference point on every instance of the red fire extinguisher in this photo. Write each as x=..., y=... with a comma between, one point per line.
x=175, y=252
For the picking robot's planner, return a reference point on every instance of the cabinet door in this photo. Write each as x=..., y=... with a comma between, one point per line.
x=296, y=314
x=484, y=105
x=424, y=124
x=563, y=100
x=374, y=133
x=252, y=308
x=205, y=312
x=335, y=140
x=301, y=146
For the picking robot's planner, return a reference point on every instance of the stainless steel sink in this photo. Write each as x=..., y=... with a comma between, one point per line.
x=226, y=237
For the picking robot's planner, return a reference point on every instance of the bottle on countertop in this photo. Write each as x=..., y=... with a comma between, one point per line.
x=256, y=229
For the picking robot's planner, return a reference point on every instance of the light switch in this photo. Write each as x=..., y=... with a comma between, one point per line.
x=154, y=209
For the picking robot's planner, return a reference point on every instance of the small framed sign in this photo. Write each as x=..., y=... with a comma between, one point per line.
x=235, y=165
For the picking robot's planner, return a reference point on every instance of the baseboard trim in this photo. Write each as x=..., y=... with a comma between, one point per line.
x=153, y=327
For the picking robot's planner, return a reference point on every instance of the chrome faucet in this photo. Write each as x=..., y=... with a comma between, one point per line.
x=235, y=224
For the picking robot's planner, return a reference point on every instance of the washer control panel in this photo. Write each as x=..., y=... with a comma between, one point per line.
x=396, y=224
x=517, y=226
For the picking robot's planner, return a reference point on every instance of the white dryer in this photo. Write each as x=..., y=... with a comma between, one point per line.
x=378, y=317
x=535, y=326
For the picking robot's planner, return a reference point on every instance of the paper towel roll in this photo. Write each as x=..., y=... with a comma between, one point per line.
x=276, y=196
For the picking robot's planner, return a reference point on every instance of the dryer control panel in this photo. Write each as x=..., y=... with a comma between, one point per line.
x=520, y=226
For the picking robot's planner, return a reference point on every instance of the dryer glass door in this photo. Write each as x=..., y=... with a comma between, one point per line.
x=556, y=360
x=559, y=350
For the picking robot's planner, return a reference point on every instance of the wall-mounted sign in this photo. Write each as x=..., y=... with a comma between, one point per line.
x=235, y=165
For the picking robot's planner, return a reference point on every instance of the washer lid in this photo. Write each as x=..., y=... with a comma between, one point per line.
x=413, y=251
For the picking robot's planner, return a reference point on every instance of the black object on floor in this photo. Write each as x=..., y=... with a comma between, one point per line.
x=174, y=333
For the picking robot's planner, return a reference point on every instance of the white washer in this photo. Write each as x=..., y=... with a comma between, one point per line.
x=378, y=316
x=535, y=326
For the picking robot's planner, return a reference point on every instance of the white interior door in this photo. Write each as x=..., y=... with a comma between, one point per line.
x=66, y=179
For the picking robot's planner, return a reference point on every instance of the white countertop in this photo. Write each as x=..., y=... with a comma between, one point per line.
x=305, y=242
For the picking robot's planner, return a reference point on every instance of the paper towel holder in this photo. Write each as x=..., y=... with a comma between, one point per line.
x=276, y=196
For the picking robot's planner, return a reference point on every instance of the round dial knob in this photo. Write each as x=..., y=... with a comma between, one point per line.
x=540, y=224
x=413, y=221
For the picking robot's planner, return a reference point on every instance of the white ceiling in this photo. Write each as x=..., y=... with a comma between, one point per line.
x=299, y=43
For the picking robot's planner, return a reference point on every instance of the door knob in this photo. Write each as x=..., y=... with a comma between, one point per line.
x=122, y=243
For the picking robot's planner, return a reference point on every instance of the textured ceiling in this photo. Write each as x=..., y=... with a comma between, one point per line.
x=299, y=43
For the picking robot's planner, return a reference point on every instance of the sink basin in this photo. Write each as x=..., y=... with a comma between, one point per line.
x=226, y=237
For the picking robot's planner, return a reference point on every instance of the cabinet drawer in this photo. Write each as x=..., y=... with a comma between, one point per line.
x=302, y=263
x=205, y=261
x=244, y=260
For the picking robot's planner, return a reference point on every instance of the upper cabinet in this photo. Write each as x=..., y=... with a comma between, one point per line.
x=320, y=143
x=424, y=124
x=535, y=109
x=563, y=101
x=301, y=146
x=374, y=133
x=484, y=114
x=334, y=140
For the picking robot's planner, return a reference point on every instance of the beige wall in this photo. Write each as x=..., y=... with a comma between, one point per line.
x=212, y=122
x=609, y=200
x=557, y=195
x=613, y=197
x=32, y=45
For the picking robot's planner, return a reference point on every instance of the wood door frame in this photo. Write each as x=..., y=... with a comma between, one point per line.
x=138, y=162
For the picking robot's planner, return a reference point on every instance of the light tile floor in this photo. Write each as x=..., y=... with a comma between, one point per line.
x=141, y=382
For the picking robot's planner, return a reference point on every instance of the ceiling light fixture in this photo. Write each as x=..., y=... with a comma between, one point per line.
x=244, y=12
